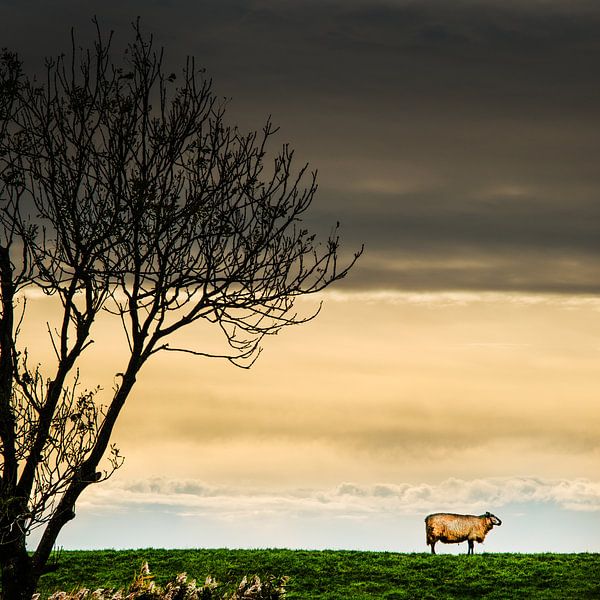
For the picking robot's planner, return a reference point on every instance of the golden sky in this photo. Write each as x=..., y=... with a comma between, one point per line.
x=382, y=386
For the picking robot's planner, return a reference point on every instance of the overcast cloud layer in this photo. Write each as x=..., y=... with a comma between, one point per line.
x=457, y=140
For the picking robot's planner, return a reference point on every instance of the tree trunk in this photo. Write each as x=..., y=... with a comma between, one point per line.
x=19, y=580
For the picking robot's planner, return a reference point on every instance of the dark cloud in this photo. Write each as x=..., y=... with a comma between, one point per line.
x=458, y=140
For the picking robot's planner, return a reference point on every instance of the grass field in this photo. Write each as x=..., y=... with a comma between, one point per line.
x=347, y=574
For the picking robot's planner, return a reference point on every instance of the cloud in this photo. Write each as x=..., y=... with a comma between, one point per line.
x=462, y=298
x=189, y=497
x=475, y=269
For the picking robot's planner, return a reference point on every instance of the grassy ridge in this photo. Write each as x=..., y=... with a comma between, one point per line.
x=343, y=575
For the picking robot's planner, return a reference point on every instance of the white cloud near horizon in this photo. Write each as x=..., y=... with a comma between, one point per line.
x=189, y=497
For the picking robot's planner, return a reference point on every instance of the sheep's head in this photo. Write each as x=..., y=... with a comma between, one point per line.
x=493, y=518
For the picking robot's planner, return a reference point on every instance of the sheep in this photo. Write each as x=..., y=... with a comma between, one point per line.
x=453, y=529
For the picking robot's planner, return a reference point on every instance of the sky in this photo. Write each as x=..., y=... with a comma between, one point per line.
x=457, y=367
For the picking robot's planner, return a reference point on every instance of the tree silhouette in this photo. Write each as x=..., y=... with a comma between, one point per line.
x=123, y=190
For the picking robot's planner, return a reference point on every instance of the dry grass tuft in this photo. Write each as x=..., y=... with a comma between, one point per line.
x=143, y=587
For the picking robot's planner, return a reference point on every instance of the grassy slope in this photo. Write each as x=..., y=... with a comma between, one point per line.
x=343, y=574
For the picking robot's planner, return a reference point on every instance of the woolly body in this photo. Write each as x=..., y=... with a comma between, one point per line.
x=453, y=529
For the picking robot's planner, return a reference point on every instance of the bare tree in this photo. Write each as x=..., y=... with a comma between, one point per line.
x=123, y=190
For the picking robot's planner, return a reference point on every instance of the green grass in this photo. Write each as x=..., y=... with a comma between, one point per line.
x=330, y=574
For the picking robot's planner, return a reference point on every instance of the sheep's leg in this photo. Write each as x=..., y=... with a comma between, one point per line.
x=471, y=547
x=433, y=547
